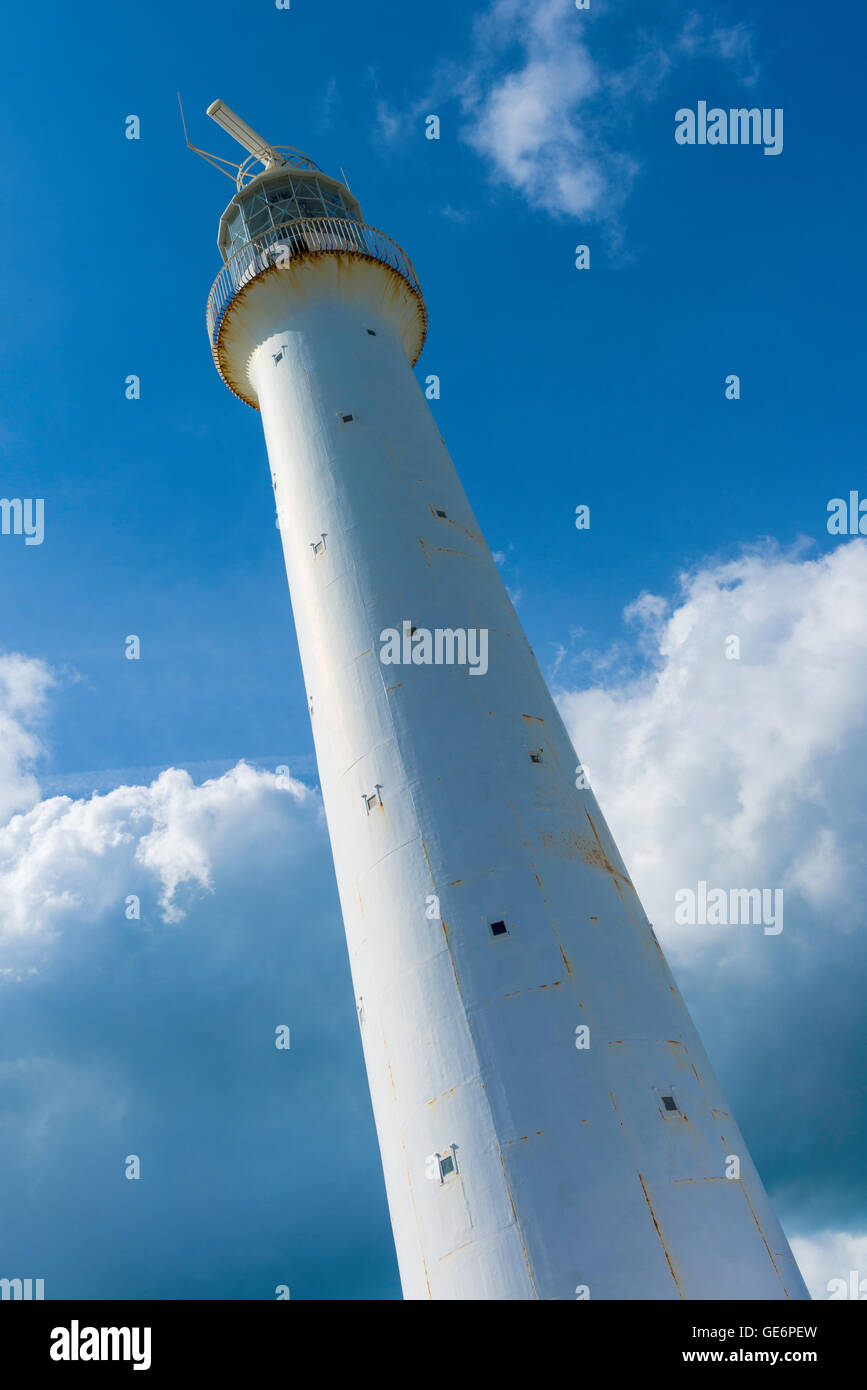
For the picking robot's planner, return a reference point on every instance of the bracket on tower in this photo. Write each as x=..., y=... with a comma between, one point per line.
x=215, y=159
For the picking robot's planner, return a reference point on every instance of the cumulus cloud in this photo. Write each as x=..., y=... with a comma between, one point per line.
x=747, y=771
x=70, y=860
x=833, y=1256
x=548, y=95
x=154, y=1036
x=66, y=860
x=24, y=683
x=753, y=773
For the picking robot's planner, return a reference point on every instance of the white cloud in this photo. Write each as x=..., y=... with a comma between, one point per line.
x=326, y=105
x=23, y=686
x=753, y=773
x=155, y=1036
x=732, y=43
x=452, y=214
x=44, y=1093
x=391, y=123
x=68, y=861
x=547, y=99
x=829, y=1256
x=523, y=111
x=746, y=772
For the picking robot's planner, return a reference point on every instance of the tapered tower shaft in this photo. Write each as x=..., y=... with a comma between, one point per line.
x=549, y=1123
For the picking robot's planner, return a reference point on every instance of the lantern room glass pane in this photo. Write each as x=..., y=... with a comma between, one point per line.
x=288, y=198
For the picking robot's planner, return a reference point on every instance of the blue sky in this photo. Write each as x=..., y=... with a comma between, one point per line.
x=559, y=387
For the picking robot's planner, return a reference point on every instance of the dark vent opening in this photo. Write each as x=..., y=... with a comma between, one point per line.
x=669, y=1102
x=499, y=929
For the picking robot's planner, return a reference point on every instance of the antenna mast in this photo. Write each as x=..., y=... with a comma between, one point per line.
x=215, y=159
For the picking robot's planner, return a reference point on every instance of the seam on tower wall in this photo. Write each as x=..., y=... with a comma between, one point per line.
x=659, y=1233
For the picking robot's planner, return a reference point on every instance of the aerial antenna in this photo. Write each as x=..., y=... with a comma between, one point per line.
x=215, y=159
x=259, y=150
x=245, y=135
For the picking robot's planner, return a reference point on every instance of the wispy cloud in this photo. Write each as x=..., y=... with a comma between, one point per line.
x=327, y=105
x=547, y=95
x=24, y=683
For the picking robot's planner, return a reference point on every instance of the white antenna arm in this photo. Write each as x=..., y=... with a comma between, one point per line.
x=243, y=133
x=216, y=159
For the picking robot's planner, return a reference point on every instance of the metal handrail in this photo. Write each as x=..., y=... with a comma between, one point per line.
x=298, y=239
x=295, y=159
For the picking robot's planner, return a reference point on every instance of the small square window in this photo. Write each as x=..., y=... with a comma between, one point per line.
x=447, y=1165
x=669, y=1102
x=536, y=756
x=499, y=929
x=345, y=419
x=440, y=513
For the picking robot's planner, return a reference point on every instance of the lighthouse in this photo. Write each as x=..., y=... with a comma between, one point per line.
x=549, y=1123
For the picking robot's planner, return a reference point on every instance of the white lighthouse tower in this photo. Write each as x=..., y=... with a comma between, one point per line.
x=549, y=1123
